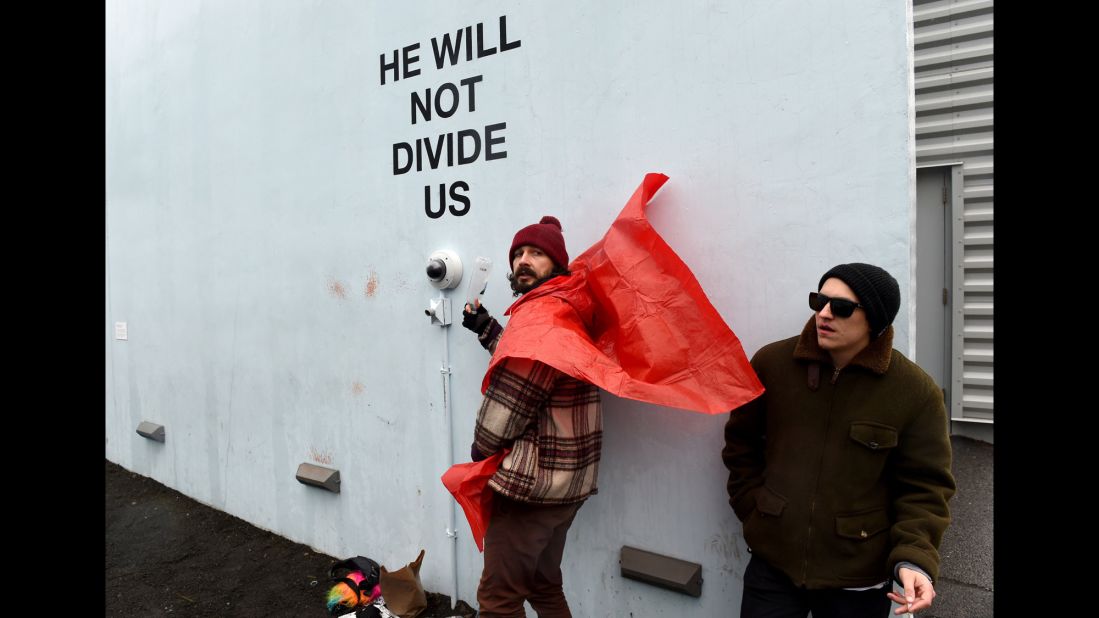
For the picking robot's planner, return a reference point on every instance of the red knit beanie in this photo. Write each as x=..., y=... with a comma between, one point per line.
x=546, y=235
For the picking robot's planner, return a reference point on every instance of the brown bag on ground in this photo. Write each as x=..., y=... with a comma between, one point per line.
x=403, y=593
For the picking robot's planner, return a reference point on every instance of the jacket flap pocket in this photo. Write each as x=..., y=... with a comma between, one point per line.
x=862, y=525
x=873, y=436
x=769, y=502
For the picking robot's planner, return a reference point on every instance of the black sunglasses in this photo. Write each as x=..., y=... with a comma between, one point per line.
x=841, y=307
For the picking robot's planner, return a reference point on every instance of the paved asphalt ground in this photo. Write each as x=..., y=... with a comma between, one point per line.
x=168, y=554
x=965, y=585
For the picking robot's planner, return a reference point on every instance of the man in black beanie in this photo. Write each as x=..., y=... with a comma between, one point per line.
x=840, y=471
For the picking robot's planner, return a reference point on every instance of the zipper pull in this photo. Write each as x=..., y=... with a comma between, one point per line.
x=835, y=375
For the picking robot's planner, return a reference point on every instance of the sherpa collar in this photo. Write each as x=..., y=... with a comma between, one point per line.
x=875, y=357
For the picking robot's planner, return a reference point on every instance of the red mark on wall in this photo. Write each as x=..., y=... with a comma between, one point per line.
x=336, y=289
x=321, y=457
x=372, y=284
x=357, y=388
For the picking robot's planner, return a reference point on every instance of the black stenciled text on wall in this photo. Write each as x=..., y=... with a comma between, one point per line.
x=452, y=148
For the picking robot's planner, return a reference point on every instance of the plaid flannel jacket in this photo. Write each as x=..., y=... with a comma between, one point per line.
x=554, y=426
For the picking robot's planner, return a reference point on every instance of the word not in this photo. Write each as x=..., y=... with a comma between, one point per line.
x=425, y=104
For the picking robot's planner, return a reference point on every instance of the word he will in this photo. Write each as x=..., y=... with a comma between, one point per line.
x=456, y=147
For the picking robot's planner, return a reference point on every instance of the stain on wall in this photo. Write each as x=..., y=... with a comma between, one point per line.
x=321, y=457
x=337, y=289
x=372, y=284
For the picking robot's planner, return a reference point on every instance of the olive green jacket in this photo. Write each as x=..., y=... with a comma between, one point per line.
x=839, y=475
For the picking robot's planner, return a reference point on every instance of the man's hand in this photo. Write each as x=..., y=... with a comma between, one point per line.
x=918, y=592
x=475, y=317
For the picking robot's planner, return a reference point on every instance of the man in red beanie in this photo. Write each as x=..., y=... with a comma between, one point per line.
x=553, y=424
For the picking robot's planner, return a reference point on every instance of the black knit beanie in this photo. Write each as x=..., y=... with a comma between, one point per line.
x=877, y=290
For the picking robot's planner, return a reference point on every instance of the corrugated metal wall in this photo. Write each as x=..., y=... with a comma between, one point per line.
x=954, y=86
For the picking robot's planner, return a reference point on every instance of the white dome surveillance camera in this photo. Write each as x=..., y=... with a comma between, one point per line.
x=444, y=269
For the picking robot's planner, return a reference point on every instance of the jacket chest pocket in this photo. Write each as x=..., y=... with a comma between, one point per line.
x=869, y=448
x=874, y=436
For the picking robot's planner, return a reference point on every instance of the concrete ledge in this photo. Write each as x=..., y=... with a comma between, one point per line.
x=319, y=476
x=151, y=431
x=663, y=571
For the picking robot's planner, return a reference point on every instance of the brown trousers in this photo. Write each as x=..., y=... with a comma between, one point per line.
x=523, y=548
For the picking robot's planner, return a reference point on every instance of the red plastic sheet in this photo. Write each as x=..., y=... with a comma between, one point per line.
x=469, y=484
x=631, y=319
x=654, y=336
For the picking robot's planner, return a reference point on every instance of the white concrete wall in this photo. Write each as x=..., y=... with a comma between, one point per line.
x=269, y=264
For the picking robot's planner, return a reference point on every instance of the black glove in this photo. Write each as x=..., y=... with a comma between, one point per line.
x=475, y=454
x=477, y=321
